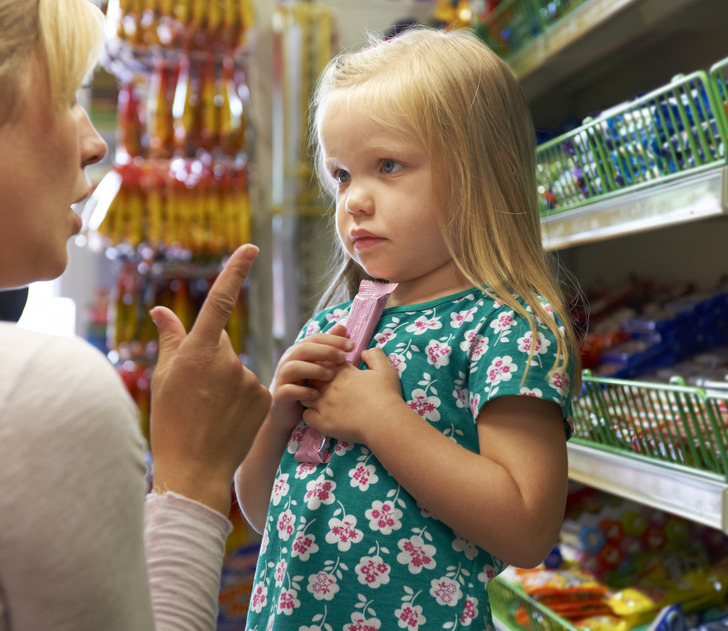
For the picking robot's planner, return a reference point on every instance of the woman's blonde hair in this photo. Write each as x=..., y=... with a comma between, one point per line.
x=451, y=93
x=66, y=35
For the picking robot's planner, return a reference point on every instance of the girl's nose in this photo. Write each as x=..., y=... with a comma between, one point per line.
x=359, y=202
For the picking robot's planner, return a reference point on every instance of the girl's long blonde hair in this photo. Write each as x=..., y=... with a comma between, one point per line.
x=66, y=35
x=457, y=98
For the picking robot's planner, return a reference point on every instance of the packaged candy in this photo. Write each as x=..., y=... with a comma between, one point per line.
x=364, y=314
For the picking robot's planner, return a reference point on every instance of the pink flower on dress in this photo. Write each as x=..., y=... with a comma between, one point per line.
x=501, y=369
x=304, y=469
x=286, y=524
x=410, y=617
x=259, y=597
x=343, y=532
x=336, y=315
x=470, y=610
x=304, y=546
x=446, y=591
x=372, y=571
x=425, y=406
x=560, y=382
x=294, y=440
x=424, y=324
x=460, y=318
x=461, y=396
x=287, y=601
x=363, y=476
x=280, y=573
x=532, y=392
x=461, y=544
x=359, y=622
x=474, y=345
x=416, y=554
x=384, y=337
x=323, y=586
x=319, y=491
x=280, y=489
x=398, y=362
x=312, y=329
x=503, y=322
x=384, y=517
x=438, y=354
x=526, y=342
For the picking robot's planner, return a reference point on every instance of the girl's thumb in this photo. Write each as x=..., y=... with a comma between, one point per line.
x=375, y=358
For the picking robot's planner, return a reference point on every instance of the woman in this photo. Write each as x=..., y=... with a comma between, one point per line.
x=80, y=546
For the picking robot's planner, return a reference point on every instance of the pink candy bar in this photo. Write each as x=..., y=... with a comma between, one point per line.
x=364, y=314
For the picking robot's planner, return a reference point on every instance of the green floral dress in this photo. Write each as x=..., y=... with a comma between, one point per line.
x=345, y=548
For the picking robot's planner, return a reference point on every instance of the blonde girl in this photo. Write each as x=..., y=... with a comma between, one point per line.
x=449, y=459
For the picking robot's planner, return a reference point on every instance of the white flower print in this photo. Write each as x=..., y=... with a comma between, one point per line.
x=265, y=540
x=460, y=318
x=280, y=573
x=470, y=611
x=363, y=476
x=336, y=315
x=461, y=544
x=280, y=489
x=446, y=591
x=503, y=322
x=461, y=396
x=488, y=573
x=474, y=345
x=416, y=554
x=359, y=622
x=304, y=546
x=319, y=491
x=425, y=406
x=526, y=342
x=294, y=440
x=424, y=324
x=343, y=532
x=532, y=392
x=286, y=524
x=287, y=601
x=372, y=571
x=438, y=354
x=312, y=329
x=398, y=362
x=304, y=469
x=384, y=517
x=560, y=382
x=259, y=597
x=271, y=620
x=384, y=337
x=474, y=404
x=340, y=448
x=501, y=369
x=313, y=627
x=410, y=617
x=323, y=586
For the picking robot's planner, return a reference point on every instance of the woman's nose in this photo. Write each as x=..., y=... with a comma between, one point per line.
x=93, y=146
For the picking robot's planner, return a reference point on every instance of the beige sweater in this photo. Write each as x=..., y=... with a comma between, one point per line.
x=74, y=523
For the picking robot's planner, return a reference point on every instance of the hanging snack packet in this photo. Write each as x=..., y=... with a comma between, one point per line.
x=364, y=314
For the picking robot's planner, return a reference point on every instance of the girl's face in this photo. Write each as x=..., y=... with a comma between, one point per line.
x=42, y=160
x=385, y=205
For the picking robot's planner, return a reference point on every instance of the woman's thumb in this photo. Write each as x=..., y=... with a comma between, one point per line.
x=170, y=330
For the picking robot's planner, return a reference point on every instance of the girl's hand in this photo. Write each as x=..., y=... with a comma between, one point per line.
x=309, y=363
x=354, y=401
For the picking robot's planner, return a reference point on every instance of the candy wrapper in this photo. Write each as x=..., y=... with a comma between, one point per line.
x=363, y=316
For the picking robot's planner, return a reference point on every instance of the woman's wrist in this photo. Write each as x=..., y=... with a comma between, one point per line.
x=214, y=491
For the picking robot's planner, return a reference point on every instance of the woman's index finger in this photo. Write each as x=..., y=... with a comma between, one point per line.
x=224, y=293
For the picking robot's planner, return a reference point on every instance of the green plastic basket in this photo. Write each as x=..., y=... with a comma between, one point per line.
x=516, y=609
x=719, y=83
x=673, y=424
x=673, y=131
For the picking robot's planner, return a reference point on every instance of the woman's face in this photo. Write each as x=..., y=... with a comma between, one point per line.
x=42, y=160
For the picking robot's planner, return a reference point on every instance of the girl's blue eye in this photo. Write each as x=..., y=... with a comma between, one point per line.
x=390, y=166
x=341, y=176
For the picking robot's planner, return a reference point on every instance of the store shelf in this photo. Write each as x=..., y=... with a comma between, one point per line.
x=595, y=31
x=701, y=499
x=691, y=198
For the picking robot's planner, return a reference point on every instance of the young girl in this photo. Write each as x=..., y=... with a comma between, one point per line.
x=449, y=459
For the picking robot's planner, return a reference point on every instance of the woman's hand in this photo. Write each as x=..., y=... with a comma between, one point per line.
x=206, y=406
x=303, y=367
